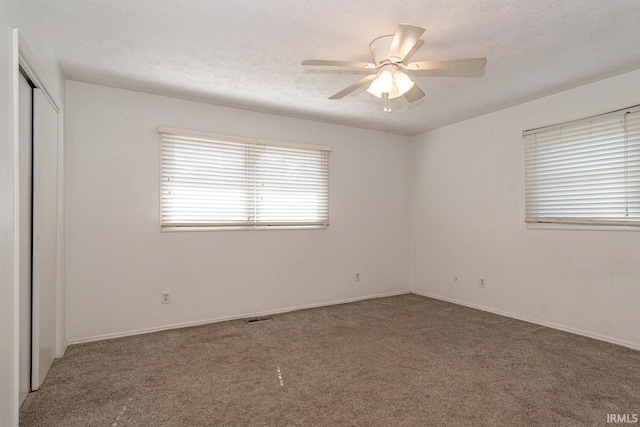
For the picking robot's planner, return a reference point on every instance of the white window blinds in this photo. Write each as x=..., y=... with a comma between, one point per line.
x=586, y=171
x=221, y=181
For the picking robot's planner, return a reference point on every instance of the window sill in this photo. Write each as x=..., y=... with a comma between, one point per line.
x=558, y=226
x=241, y=228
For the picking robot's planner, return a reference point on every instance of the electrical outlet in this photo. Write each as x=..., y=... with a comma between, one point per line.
x=482, y=282
x=165, y=297
x=357, y=277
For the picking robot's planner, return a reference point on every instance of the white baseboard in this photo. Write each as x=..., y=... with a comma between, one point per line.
x=63, y=350
x=223, y=319
x=611, y=340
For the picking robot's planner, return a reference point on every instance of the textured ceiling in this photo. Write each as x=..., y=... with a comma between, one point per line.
x=247, y=53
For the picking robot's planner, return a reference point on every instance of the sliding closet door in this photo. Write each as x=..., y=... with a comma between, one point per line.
x=24, y=261
x=45, y=176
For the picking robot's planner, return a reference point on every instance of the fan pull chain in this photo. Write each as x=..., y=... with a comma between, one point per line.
x=387, y=104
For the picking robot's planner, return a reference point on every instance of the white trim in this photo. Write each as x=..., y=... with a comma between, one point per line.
x=15, y=68
x=172, y=229
x=226, y=318
x=348, y=300
x=634, y=346
x=61, y=333
x=30, y=65
x=63, y=348
x=565, y=226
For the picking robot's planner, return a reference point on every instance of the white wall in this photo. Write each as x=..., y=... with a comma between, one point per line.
x=13, y=13
x=118, y=261
x=467, y=215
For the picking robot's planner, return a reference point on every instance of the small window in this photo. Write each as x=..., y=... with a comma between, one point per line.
x=586, y=171
x=222, y=181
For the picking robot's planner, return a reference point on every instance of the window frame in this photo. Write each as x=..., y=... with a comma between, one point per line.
x=254, y=149
x=626, y=141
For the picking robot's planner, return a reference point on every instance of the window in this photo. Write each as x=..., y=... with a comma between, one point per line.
x=586, y=171
x=222, y=181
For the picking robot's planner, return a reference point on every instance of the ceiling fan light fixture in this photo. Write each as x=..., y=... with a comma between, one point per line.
x=390, y=84
x=374, y=89
x=403, y=82
x=385, y=81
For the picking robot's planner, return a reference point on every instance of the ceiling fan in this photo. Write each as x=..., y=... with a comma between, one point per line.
x=390, y=54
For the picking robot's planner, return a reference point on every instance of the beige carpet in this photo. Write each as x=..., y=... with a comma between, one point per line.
x=399, y=361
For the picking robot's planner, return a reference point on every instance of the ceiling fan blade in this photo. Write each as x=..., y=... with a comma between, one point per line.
x=450, y=64
x=414, y=93
x=416, y=47
x=403, y=41
x=350, y=64
x=353, y=87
